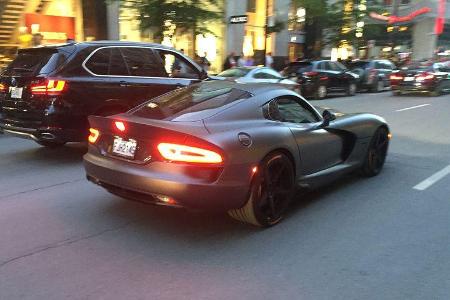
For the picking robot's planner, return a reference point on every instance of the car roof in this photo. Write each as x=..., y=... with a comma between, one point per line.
x=253, y=88
x=103, y=44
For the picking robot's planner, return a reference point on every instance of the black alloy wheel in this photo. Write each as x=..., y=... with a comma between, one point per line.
x=378, y=86
x=321, y=92
x=376, y=154
x=271, y=192
x=351, y=89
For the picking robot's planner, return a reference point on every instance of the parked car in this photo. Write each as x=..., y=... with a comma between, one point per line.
x=433, y=79
x=47, y=93
x=320, y=78
x=226, y=146
x=373, y=74
x=256, y=75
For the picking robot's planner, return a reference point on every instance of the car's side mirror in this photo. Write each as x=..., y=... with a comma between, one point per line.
x=327, y=116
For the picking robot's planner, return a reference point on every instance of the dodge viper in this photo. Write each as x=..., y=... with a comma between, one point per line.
x=240, y=148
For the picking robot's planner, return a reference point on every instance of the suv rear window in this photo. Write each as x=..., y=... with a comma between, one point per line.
x=32, y=62
x=190, y=100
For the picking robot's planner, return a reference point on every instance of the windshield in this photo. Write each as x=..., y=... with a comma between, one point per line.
x=358, y=65
x=185, y=103
x=298, y=67
x=32, y=63
x=234, y=72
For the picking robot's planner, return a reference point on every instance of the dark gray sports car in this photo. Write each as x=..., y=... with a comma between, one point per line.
x=241, y=148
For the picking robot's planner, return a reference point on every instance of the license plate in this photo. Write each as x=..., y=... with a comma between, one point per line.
x=16, y=92
x=125, y=148
x=408, y=79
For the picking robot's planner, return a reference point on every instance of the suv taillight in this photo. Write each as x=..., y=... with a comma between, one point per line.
x=3, y=88
x=49, y=87
x=425, y=76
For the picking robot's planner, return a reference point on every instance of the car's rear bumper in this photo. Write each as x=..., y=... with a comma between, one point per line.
x=40, y=134
x=414, y=88
x=159, y=180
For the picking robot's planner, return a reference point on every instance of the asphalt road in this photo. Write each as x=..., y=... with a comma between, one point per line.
x=386, y=237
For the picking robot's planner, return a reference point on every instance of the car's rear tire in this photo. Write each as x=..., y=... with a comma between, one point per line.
x=378, y=86
x=351, y=89
x=271, y=191
x=437, y=92
x=51, y=144
x=376, y=153
x=321, y=92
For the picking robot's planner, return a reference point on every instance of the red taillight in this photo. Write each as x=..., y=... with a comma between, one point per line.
x=120, y=125
x=424, y=77
x=93, y=136
x=395, y=77
x=310, y=74
x=3, y=88
x=183, y=153
x=49, y=87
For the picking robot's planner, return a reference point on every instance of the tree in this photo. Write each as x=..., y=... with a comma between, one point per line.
x=189, y=16
x=314, y=24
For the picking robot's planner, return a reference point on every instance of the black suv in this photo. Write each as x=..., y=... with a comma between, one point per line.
x=373, y=74
x=46, y=93
x=319, y=78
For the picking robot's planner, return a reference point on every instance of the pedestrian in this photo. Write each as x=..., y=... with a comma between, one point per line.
x=249, y=61
x=269, y=60
x=230, y=61
x=37, y=39
x=241, y=61
x=204, y=62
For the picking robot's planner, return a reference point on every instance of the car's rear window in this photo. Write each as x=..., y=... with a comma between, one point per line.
x=190, y=103
x=234, y=72
x=299, y=67
x=34, y=62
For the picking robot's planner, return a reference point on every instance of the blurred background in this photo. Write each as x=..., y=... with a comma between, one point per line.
x=288, y=29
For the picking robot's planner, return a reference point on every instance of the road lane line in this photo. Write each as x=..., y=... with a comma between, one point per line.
x=412, y=107
x=432, y=179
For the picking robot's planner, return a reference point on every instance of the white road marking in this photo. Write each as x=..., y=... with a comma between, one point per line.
x=432, y=179
x=412, y=107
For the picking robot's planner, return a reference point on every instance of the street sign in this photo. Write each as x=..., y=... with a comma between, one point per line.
x=238, y=19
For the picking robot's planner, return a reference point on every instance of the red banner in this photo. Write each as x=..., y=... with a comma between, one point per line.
x=55, y=29
x=400, y=19
x=440, y=19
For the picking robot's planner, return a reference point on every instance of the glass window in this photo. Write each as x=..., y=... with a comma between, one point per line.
x=359, y=65
x=33, y=62
x=141, y=62
x=189, y=100
x=98, y=63
x=176, y=66
x=299, y=67
x=322, y=66
x=266, y=74
x=290, y=110
x=336, y=66
x=234, y=72
x=117, y=64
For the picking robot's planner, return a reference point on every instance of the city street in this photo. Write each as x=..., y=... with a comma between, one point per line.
x=386, y=237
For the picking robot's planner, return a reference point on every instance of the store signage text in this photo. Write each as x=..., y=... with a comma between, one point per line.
x=238, y=19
